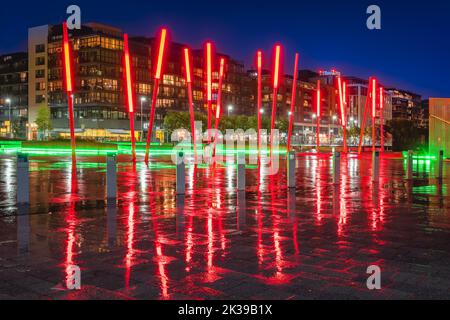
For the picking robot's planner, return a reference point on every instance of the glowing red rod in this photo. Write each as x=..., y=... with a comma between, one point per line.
x=219, y=109
x=276, y=80
x=158, y=72
x=318, y=111
x=366, y=111
x=69, y=86
x=342, y=105
x=259, y=98
x=293, y=97
x=345, y=116
x=187, y=62
x=209, y=84
x=129, y=93
x=381, y=118
x=374, y=111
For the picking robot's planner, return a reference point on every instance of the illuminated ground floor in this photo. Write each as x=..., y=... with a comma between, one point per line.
x=314, y=242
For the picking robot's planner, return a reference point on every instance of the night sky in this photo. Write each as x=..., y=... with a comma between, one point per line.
x=412, y=51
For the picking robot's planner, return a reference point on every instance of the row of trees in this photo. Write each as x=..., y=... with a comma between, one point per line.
x=181, y=120
x=406, y=135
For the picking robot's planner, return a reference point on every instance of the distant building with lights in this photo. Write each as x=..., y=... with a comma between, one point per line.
x=30, y=81
x=99, y=102
x=408, y=106
x=13, y=94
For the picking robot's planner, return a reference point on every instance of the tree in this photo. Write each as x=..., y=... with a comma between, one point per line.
x=18, y=129
x=182, y=120
x=282, y=125
x=43, y=120
x=406, y=135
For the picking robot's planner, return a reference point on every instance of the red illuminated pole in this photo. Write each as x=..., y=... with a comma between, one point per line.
x=381, y=118
x=158, y=72
x=129, y=93
x=342, y=105
x=219, y=108
x=69, y=86
x=187, y=62
x=366, y=110
x=293, y=96
x=209, y=84
x=345, y=117
x=276, y=80
x=318, y=105
x=374, y=111
x=259, y=98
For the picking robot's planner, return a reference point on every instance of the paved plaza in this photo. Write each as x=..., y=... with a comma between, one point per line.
x=314, y=242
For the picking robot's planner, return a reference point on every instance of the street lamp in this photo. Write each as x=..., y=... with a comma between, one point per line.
x=230, y=109
x=143, y=99
x=8, y=101
x=261, y=111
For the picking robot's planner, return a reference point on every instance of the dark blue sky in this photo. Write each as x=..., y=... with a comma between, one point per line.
x=412, y=51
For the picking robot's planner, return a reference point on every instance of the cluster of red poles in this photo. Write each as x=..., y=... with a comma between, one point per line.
x=277, y=72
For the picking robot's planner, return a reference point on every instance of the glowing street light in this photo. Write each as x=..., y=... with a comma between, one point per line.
x=69, y=86
x=129, y=93
x=293, y=96
x=230, y=109
x=209, y=70
x=276, y=81
x=318, y=109
x=374, y=111
x=343, y=110
x=188, y=70
x=259, y=95
x=157, y=78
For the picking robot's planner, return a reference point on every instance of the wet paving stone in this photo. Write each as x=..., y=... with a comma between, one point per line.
x=314, y=242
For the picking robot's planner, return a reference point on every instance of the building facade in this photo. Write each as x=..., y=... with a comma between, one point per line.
x=439, y=138
x=407, y=105
x=99, y=102
x=35, y=80
x=13, y=94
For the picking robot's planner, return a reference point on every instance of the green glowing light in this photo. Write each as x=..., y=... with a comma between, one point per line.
x=430, y=190
x=419, y=156
x=121, y=148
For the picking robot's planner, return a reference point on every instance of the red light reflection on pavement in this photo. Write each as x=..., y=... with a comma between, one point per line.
x=211, y=251
x=130, y=241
